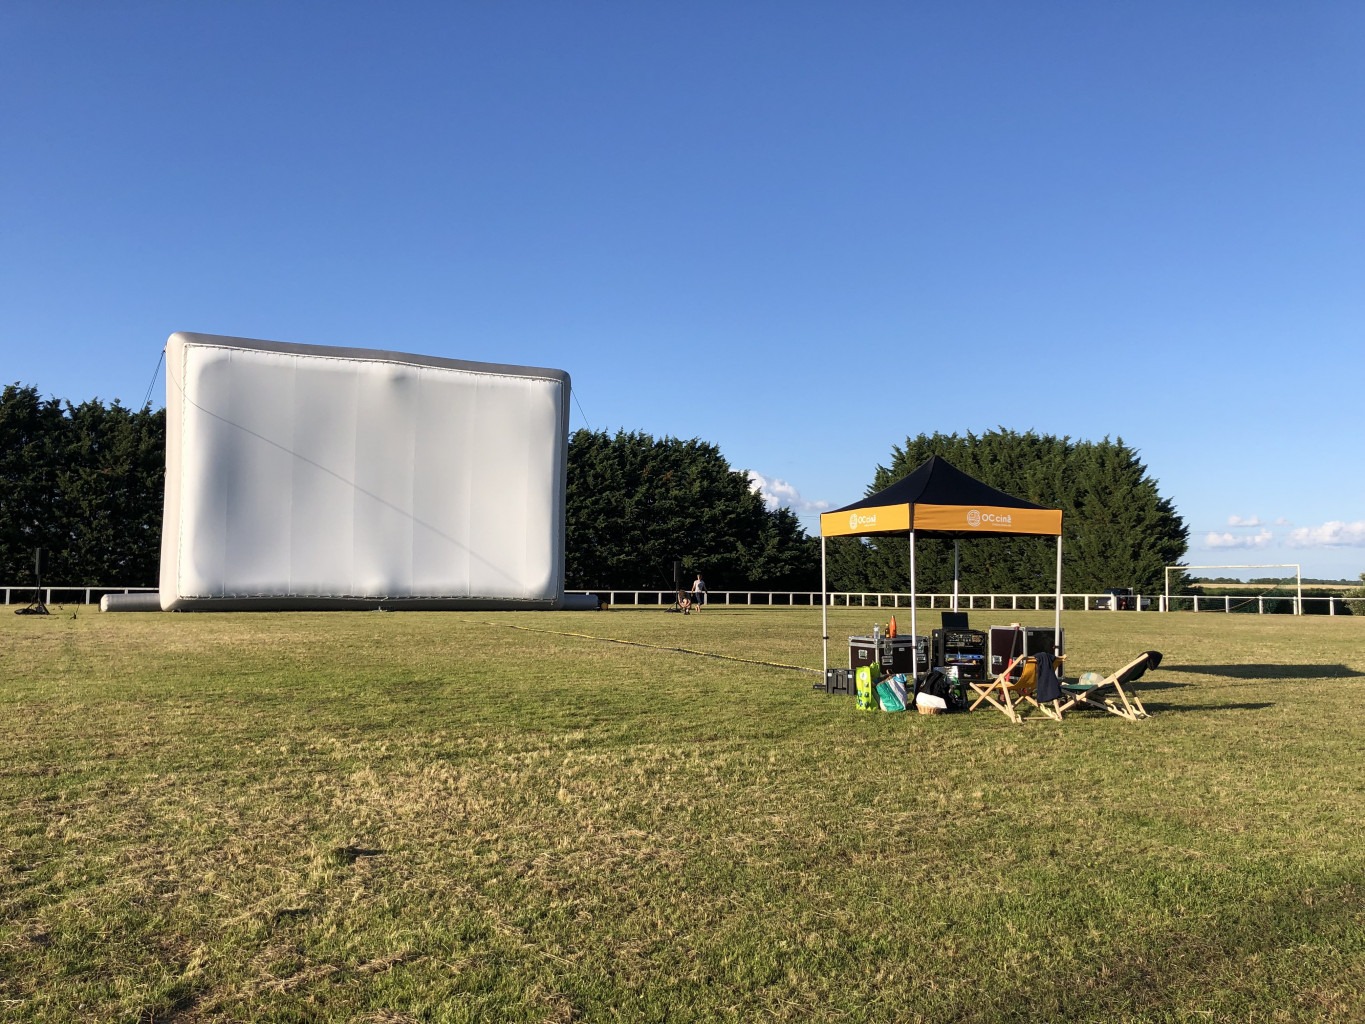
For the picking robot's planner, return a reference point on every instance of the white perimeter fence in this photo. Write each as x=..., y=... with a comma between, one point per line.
x=1265, y=604
x=68, y=595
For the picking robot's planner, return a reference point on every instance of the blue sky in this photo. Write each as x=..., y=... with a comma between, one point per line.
x=801, y=231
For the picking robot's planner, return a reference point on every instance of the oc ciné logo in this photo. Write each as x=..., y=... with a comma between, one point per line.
x=976, y=518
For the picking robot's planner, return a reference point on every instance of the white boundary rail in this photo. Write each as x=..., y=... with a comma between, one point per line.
x=23, y=595
x=1266, y=604
x=807, y=599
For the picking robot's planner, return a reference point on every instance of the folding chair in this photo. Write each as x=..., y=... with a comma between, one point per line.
x=999, y=692
x=1041, y=683
x=1017, y=687
x=1109, y=694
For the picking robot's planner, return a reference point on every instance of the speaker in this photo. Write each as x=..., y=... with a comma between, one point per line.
x=40, y=561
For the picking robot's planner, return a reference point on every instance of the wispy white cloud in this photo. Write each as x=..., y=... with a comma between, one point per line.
x=1232, y=540
x=1244, y=520
x=1334, y=534
x=780, y=494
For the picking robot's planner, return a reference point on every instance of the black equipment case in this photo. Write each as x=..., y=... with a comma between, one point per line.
x=893, y=652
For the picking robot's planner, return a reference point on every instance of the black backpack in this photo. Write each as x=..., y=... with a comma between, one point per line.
x=936, y=684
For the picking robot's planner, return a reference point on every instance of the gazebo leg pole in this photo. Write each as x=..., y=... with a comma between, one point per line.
x=956, y=575
x=824, y=609
x=914, y=602
x=1057, y=612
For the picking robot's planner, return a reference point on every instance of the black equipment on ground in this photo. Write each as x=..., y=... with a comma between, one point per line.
x=965, y=648
x=893, y=653
x=39, y=566
x=1008, y=642
x=837, y=681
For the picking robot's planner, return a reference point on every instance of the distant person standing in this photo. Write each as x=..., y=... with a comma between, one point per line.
x=698, y=592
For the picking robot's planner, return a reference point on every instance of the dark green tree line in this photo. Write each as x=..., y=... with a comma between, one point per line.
x=636, y=504
x=84, y=483
x=1117, y=529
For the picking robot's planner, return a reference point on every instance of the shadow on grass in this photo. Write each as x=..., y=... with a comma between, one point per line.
x=1156, y=684
x=1270, y=671
x=1155, y=707
x=1159, y=708
x=1143, y=691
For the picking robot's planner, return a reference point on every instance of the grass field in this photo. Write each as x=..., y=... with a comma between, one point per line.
x=622, y=816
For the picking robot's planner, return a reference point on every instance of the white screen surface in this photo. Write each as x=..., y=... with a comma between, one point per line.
x=304, y=476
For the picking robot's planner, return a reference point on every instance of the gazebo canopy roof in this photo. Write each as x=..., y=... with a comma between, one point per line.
x=939, y=498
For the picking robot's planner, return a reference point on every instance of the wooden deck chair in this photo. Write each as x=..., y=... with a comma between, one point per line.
x=1016, y=688
x=1112, y=693
x=999, y=692
x=1031, y=689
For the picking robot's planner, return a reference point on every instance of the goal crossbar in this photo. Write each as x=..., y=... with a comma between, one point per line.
x=1298, y=579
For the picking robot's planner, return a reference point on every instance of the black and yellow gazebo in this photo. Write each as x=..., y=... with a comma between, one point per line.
x=940, y=499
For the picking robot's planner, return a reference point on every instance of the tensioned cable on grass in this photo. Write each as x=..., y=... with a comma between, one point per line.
x=653, y=647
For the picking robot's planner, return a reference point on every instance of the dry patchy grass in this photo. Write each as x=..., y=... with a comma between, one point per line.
x=643, y=816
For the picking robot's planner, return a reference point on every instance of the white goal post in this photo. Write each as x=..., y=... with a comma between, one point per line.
x=1298, y=580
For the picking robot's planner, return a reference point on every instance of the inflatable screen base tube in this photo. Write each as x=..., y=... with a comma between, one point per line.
x=143, y=602
x=310, y=477
x=152, y=603
x=347, y=604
